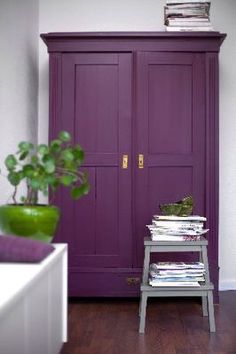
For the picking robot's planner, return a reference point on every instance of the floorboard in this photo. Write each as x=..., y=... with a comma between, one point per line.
x=173, y=326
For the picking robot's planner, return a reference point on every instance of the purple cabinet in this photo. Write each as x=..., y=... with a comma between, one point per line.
x=144, y=106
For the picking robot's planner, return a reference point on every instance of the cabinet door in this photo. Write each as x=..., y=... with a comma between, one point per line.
x=170, y=133
x=96, y=106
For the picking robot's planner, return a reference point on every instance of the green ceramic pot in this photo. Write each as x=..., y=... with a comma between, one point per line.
x=36, y=222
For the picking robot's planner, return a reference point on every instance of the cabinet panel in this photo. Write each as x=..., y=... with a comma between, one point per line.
x=99, y=234
x=107, y=241
x=170, y=108
x=96, y=84
x=96, y=107
x=170, y=134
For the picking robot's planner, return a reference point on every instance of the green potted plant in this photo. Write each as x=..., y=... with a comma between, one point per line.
x=43, y=168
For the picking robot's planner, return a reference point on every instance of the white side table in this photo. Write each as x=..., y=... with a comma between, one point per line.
x=33, y=305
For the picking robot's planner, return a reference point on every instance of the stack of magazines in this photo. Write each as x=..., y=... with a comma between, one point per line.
x=177, y=228
x=187, y=15
x=176, y=274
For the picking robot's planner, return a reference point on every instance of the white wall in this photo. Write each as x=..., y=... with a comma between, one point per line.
x=223, y=18
x=18, y=78
x=139, y=15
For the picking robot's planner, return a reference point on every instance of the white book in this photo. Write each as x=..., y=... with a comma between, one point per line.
x=178, y=232
x=188, y=19
x=184, y=6
x=186, y=1
x=157, y=232
x=175, y=230
x=163, y=229
x=189, y=29
x=189, y=24
x=178, y=224
x=178, y=218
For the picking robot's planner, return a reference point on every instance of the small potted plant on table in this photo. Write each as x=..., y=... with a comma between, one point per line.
x=43, y=168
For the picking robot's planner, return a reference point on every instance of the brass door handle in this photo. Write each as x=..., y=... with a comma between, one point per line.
x=125, y=160
x=140, y=161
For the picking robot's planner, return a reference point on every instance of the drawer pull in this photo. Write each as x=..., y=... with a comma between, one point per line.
x=132, y=280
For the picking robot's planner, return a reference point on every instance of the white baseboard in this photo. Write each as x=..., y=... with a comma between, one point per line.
x=227, y=285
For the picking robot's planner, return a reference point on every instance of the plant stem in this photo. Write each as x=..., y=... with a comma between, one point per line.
x=65, y=171
x=14, y=195
x=51, y=200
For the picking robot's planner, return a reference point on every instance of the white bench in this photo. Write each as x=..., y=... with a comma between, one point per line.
x=33, y=305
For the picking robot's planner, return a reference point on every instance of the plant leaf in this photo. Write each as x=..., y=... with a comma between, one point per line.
x=55, y=146
x=49, y=164
x=22, y=199
x=10, y=162
x=23, y=155
x=67, y=155
x=67, y=180
x=35, y=183
x=14, y=178
x=28, y=171
x=34, y=159
x=43, y=149
x=77, y=192
x=78, y=154
x=25, y=146
x=86, y=188
x=64, y=136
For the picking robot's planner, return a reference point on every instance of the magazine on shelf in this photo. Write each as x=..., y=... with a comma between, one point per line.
x=181, y=271
x=177, y=265
x=188, y=19
x=171, y=274
x=174, y=238
x=177, y=283
x=177, y=279
x=185, y=12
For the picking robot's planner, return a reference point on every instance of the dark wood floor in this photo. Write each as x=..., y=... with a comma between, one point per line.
x=173, y=326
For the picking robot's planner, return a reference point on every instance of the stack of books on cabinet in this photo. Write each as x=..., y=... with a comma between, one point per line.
x=176, y=274
x=177, y=228
x=187, y=15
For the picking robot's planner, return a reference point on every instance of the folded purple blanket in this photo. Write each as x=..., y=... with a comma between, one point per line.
x=21, y=249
